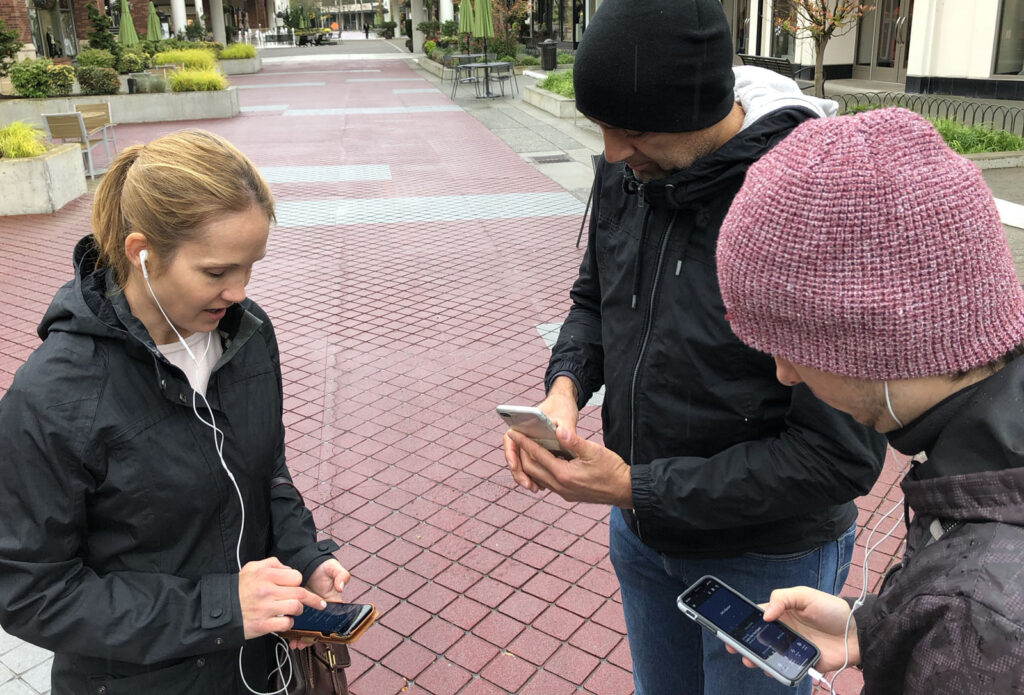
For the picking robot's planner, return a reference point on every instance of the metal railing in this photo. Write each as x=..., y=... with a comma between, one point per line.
x=969, y=113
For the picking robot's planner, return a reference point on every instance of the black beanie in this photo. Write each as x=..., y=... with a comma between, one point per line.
x=662, y=66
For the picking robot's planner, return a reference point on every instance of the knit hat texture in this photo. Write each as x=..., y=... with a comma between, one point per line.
x=662, y=66
x=863, y=246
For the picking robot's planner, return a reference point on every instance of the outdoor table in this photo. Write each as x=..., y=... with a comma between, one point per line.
x=486, y=67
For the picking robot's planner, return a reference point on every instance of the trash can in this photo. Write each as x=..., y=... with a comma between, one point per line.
x=548, y=54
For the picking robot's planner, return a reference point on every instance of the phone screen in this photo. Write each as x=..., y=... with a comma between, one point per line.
x=780, y=648
x=338, y=618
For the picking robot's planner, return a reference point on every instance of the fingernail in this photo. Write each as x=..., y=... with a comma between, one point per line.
x=323, y=604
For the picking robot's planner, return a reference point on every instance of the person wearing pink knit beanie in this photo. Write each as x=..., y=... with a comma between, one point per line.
x=869, y=260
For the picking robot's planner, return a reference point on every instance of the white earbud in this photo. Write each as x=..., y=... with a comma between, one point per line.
x=143, y=254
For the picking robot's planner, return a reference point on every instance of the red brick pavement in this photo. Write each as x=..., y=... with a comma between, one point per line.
x=397, y=340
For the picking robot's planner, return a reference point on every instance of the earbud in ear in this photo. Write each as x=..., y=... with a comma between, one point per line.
x=143, y=254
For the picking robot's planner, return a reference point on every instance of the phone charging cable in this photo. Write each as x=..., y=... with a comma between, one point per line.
x=816, y=675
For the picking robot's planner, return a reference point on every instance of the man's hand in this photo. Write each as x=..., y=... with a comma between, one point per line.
x=596, y=474
x=560, y=407
x=270, y=593
x=818, y=616
x=327, y=581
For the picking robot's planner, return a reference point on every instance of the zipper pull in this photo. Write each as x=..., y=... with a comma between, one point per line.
x=640, y=195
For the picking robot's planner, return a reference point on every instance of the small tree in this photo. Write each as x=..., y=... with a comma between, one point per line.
x=820, y=20
x=10, y=46
x=100, y=35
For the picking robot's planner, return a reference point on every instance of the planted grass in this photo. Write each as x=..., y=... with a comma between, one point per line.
x=559, y=83
x=977, y=138
x=191, y=58
x=20, y=139
x=238, y=51
x=197, y=81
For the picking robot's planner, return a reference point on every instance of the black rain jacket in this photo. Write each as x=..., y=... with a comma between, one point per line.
x=118, y=525
x=949, y=619
x=724, y=459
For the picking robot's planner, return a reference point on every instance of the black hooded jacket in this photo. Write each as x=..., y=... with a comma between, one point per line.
x=724, y=459
x=118, y=526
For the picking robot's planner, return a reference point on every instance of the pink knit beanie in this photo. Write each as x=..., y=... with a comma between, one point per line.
x=863, y=246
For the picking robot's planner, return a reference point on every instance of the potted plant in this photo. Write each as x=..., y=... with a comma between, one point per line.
x=37, y=179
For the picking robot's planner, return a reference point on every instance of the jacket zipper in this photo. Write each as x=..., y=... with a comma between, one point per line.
x=645, y=335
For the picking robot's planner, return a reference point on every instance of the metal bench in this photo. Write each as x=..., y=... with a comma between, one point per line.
x=783, y=67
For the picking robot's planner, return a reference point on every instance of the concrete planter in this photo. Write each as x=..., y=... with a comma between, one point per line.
x=242, y=66
x=555, y=104
x=43, y=184
x=997, y=160
x=130, y=108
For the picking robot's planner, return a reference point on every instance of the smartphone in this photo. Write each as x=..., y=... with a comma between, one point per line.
x=736, y=620
x=338, y=621
x=535, y=425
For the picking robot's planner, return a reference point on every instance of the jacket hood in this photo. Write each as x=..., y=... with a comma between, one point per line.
x=773, y=105
x=82, y=306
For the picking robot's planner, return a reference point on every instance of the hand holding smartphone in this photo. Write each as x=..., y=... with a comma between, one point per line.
x=338, y=622
x=534, y=424
x=739, y=622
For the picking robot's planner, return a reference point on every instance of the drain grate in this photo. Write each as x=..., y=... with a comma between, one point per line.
x=551, y=158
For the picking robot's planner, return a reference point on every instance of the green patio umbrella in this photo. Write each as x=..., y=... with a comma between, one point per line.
x=153, y=32
x=466, y=20
x=483, y=25
x=126, y=32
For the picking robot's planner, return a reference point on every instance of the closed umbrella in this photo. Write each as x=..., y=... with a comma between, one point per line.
x=483, y=25
x=466, y=20
x=126, y=32
x=153, y=32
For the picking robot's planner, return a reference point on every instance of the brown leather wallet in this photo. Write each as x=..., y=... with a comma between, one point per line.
x=317, y=636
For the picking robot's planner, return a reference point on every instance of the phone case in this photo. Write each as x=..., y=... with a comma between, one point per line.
x=316, y=636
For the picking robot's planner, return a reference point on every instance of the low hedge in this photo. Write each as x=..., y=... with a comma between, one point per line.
x=238, y=51
x=197, y=81
x=95, y=57
x=39, y=77
x=97, y=80
x=559, y=83
x=192, y=58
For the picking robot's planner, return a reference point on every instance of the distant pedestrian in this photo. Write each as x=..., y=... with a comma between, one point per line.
x=366, y=30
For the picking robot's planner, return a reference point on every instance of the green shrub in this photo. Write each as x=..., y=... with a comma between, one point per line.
x=238, y=51
x=527, y=59
x=149, y=84
x=62, y=79
x=197, y=81
x=559, y=83
x=437, y=55
x=96, y=80
x=130, y=62
x=99, y=35
x=564, y=58
x=210, y=46
x=977, y=138
x=32, y=77
x=20, y=139
x=449, y=27
x=95, y=58
x=10, y=46
x=192, y=58
x=429, y=46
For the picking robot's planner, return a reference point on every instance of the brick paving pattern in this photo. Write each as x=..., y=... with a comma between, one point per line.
x=417, y=262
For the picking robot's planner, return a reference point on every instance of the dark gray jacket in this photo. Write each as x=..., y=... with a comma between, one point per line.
x=724, y=459
x=950, y=619
x=118, y=525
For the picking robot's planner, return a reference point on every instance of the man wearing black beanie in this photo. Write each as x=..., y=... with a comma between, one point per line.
x=712, y=466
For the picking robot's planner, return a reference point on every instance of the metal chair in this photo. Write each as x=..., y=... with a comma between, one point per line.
x=97, y=116
x=505, y=72
x=71, y=126
x=469, y=77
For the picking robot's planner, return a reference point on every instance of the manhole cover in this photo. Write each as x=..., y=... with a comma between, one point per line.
x=551, y=158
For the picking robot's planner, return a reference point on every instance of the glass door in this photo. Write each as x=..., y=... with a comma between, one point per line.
x=883, y=37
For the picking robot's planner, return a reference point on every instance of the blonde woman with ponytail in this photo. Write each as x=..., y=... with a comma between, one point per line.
x=149, y=529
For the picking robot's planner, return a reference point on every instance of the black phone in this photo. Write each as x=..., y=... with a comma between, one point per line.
x=739, y=622
x=339, y=620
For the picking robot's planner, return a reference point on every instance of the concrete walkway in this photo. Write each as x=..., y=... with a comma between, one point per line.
x=421, y=259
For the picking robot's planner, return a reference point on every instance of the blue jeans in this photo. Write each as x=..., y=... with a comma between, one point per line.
x=671, y=654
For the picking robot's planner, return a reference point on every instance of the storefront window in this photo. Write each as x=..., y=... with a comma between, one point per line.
x=53, y=28
x=783, y=44
x=1010, y=45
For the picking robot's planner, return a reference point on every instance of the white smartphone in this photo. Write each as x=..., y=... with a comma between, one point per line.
x=534, y=424
x=736, y=620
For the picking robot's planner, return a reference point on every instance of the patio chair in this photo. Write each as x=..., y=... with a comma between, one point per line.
x=448, y=64
x=71, y=126
x=464, y=74
x=505, y=72
x=97, y=116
